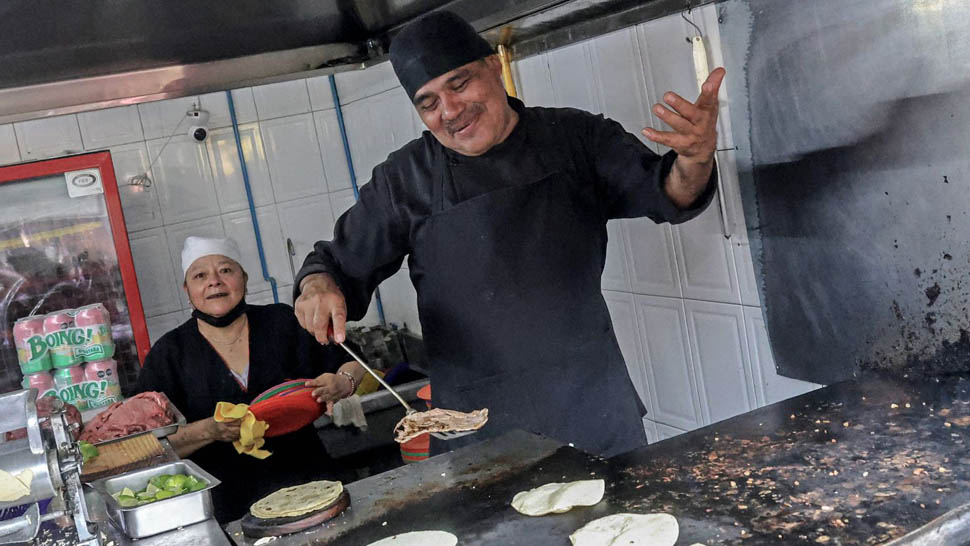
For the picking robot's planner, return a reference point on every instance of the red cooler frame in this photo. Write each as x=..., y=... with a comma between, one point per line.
x=119, y=232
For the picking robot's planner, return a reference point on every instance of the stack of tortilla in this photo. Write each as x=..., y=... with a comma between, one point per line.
x=297, y=500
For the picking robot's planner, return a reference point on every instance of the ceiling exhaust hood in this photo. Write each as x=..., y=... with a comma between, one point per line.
x=66, y=57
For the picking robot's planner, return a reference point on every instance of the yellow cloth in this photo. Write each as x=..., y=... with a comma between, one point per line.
x=250, y=430
x=368, y=384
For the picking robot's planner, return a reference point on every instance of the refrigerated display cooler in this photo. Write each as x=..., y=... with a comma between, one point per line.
x=63, y=245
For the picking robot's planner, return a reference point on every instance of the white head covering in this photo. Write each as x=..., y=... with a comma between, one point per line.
x=197, y=247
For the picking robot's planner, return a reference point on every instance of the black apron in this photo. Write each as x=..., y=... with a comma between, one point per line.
x=513, y=317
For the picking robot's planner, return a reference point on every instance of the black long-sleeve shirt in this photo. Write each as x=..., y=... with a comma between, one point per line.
x=372, y=239
x=184, y=366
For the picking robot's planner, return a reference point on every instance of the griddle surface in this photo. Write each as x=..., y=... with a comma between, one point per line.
x=857, y=463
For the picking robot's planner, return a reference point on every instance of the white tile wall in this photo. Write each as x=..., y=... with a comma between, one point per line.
x=183, y=179
x=227, y=172
x=239, y=226
x=218, y=107
x=293, y=155
x=332, y=150
x=675, y=294
x=9, y=151
x=160, y=291
x=103, y=128
x=166, y=118
x=48, y=137
x=160, y=325
x=353, y=85
x=321, y=97
x=140, y=204
x=281, y=99
x=306, y=221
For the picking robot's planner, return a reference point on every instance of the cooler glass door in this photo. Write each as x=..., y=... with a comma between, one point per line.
x=63, y=244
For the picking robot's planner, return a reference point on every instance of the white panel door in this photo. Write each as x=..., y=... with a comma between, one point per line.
x=184, y=179
x=534, y=82
x=239, y=226
x=277, y=100
x=306, y=221
x=160, y=292
x=227, y=173
x=48, y=137
x=619, y=79
x=9, y=151
x=571, y=71
x=166, y=117
x=110, y=127
x=747, y=283
x=670, y=378
x=140, y=204
x=719, y=355
x=400, y=301
x=623, y=313
x=650, y=428
x=705, y=259
x=176, y=235
x=775, y=387
x=667, y=60
x=293, y=156
x=616, y=272
x=652, y=260
x=332, y=150
x=665, y=431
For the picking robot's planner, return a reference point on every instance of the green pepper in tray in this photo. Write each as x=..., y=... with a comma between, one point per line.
x=160, y=487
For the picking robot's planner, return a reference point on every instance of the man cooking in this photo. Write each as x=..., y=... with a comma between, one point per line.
x=501, y=211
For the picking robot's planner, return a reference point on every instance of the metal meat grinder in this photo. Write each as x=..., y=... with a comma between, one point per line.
x=46, y=465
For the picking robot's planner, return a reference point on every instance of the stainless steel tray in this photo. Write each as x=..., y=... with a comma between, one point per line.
x=159, y=432
x=159, y=516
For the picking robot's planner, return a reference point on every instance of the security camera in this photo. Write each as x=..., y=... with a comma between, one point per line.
x=198, y=133
x=197, y=124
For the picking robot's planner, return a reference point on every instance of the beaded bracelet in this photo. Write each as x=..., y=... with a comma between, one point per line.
x=353, y=382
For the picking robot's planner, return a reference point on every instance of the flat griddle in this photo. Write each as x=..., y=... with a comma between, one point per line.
x=855, y=463
x=259, y=527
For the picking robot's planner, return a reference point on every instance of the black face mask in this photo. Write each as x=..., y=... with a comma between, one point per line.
x=225, y=320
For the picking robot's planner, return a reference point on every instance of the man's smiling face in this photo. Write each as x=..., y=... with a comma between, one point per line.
x=466, y=109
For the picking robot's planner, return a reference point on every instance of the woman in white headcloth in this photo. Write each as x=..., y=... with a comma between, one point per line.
x=230, y=351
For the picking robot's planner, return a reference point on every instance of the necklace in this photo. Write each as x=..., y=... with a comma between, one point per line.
x=242, y=330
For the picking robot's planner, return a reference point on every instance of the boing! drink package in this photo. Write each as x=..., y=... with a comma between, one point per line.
x=68, y=354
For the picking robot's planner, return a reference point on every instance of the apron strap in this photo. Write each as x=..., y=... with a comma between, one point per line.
x=440, y=159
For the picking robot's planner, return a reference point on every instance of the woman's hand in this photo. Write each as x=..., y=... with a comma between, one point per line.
x=331, y=387
x=226, y=431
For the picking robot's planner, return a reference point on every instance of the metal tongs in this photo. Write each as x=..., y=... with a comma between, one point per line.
x=439, y=435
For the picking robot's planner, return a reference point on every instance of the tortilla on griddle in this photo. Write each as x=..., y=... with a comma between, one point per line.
x=297, y=500
x=628, y=530
x=419, y=538
x=438, y=420
x=556, y=498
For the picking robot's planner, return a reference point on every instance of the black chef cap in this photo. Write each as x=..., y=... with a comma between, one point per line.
x=433, y=45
